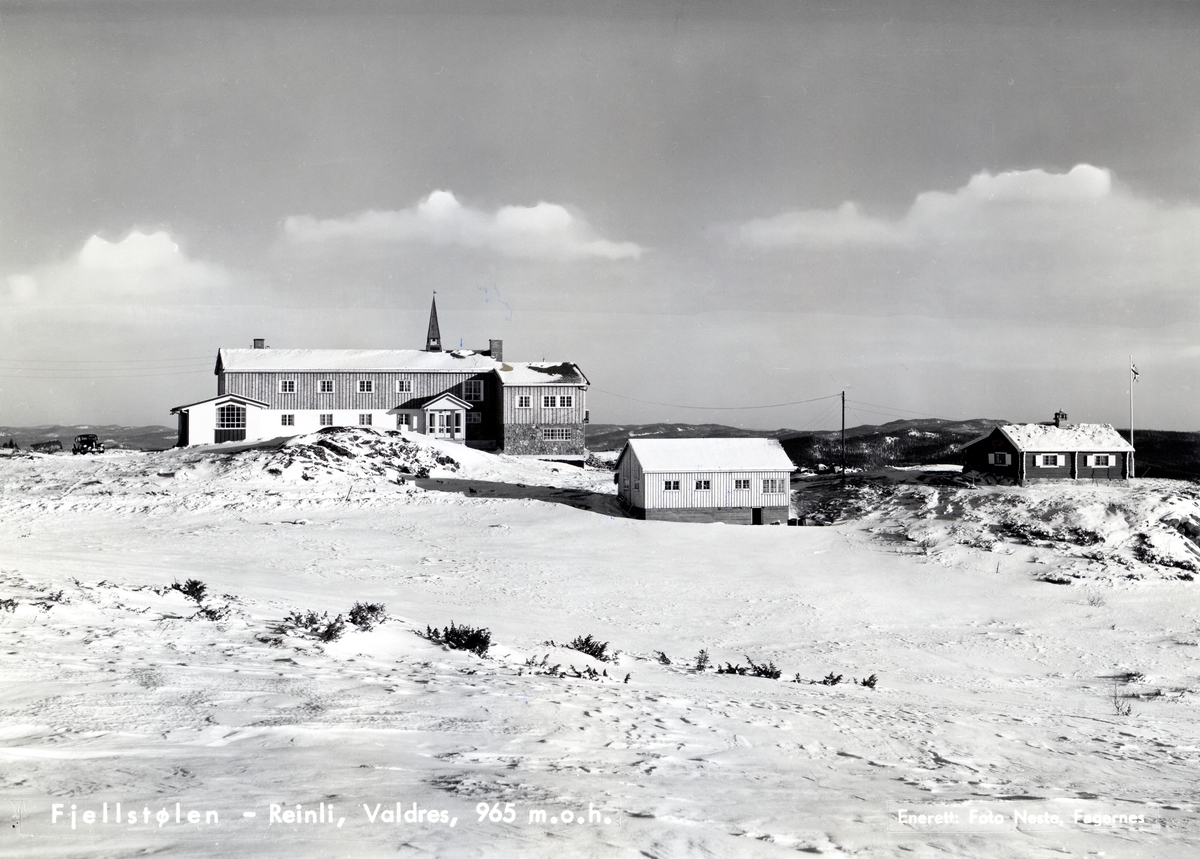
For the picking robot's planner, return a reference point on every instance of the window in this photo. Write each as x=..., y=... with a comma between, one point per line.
x=473, y=391
x=287, y=420
x=403, y=421
x=404, y=386
x=556, y=433
x=326, y=420
x=1101, y=460
x=287, y=386
x=702, y=485
x=741, y=484
x=772, y=485
x=548, y=401
x=364, y=420
x=231, y=417
x=325, y=386
x=566, y=401
x=366, y=386
x=997, y=459
x=1047, y=460
x=474, y=418
x=523, y=401
x=671, y=485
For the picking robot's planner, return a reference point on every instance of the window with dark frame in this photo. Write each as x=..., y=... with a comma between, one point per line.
x=287, y=420
x=325, y=386
x=287, y=386
x=523, y=401
x=702, y=485
x=325, y=420
x=548, y=401
x=671, y=485
x=366, y=386
x=473, y=390
x=364, y=420
x=404, y=386
x=741, y=484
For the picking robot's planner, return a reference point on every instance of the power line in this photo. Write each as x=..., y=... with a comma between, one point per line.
x=716, y=408
x=191, y=359
x=116, y=376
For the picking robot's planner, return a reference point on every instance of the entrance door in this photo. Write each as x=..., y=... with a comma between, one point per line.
x=755, y=515
x=439, y=424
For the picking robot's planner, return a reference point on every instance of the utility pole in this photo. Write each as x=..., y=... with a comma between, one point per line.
x=844, y=436
x=1133, y=376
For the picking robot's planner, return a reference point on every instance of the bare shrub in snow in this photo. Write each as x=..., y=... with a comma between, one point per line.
x=367, y=616
x=1121, y=707
x=1095, y=600
x=663, y=659
x=592, y=647
x=473, y=638
x=753, y=669
x=730, y=668
x=209, y=613
x=193, y=589
x=869, y=682
x=9, y=605
x=831, y=679
x=319, y=626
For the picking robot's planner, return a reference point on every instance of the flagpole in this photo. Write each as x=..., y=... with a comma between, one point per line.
x=1132, y=379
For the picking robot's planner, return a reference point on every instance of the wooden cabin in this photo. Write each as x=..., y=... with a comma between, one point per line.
x=1058, y=450
x=742, y=481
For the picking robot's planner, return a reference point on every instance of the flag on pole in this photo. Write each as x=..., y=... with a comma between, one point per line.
x=1133, y=371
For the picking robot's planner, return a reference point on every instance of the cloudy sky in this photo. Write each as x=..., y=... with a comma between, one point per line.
x=958, y=210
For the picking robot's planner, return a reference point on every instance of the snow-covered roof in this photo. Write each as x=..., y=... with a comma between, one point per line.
x=541, y=373
x=1088, y=437
x=367, y=360
x=710, y=454
x=221, y=398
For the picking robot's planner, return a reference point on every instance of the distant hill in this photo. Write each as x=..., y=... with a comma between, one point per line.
x=113, y=437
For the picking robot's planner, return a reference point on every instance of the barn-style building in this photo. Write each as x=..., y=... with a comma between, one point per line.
x=1058, y=450
x=535, y=409
x=743, y=481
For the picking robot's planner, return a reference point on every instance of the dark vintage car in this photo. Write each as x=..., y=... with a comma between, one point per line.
x=87, y=443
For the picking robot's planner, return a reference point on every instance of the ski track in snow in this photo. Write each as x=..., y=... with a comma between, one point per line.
x=995, y=686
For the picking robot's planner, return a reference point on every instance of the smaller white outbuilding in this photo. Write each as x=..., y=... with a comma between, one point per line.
x=743, y=481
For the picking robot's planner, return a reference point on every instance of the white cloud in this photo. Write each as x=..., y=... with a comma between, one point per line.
x=141, y=265
x=1066, y=246
x=546, y=231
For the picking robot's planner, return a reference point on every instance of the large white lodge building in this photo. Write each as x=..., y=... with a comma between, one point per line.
x=471, y=397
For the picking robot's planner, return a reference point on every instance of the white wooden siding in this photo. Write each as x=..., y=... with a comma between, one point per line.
x=264, y=386
x=722, y=493
x=539, y=414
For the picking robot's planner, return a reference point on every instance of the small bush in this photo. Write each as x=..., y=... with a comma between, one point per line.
x=663, y=659
x=9, y=605
x=767, y=669
x=592, y=647
x=319, y=626
x=472, y=638
x=869, y=682
x=192, y=589
x=366, y=616
x=730, y=668
x=1121, y=707
x=831, y=679
x=702, y=660
x=214, y=613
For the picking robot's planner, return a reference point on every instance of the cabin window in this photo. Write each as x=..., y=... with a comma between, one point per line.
x=1047, y=460
x=231, y=417
x=556, y=433
x=702, y=485
x=998, y=459
x=474, y=418
x=325, y=386
x=566, y=401
x=364, y=420
x=325, y=420
x=738, y=483
x=287, y=386
x=1102, y=460
x=772, y=485
x=548, y=401
x=366, y=386
x=523, y=401
x=671, y=485
x=287, y=420
x=403, y=421
x=473, y=391
x=404, y=386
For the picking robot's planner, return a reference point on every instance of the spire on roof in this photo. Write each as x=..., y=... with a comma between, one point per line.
x=433, y=340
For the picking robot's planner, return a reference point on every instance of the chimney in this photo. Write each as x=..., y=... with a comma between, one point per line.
x=1060, y=419
x=496, y=349
x=260, y=343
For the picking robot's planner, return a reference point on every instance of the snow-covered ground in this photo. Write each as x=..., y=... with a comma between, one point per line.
x=1035, y=649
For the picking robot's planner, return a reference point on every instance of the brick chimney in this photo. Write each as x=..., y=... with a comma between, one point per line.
x=496, y=349
x=1060, y=419
x=260, y=343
